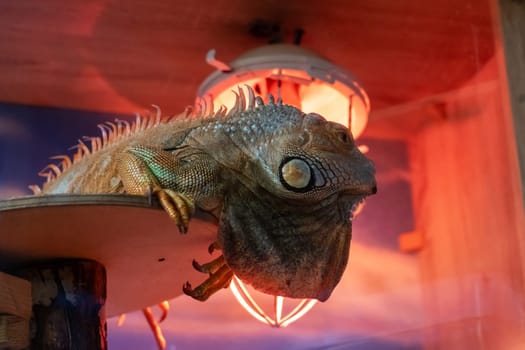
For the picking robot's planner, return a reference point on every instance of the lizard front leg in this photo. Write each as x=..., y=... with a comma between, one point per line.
x=220, y=276
x=145, y=170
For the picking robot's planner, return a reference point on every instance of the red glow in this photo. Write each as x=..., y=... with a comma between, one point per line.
x=337, y=105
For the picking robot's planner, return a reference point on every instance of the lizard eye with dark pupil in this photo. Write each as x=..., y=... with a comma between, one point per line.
x=296, y=175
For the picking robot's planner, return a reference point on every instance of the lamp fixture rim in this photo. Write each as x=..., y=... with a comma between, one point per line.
x=283, y=59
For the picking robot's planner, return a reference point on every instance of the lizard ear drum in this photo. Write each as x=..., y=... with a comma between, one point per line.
x=296, y=175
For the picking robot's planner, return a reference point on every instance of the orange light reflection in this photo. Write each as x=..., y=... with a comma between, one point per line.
x=316, y=97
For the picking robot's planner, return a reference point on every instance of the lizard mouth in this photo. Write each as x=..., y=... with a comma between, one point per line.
x=362, y=191
x=356, y=196
x=356, y=207
x=356, y=199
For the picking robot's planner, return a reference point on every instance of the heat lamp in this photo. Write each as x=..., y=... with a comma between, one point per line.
x=301, y=77
x=307, y=81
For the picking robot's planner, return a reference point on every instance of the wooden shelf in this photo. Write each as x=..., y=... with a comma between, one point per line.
x=146, y=258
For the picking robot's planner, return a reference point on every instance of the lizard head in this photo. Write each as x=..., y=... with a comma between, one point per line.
x=286, y=228
x=323, y=160
x=317, y=160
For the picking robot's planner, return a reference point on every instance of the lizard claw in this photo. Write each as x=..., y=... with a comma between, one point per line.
x=186, y=288
x=213, y=247
x=198, y=266
x=178, y=207
x=217, y=280
x=211, y=267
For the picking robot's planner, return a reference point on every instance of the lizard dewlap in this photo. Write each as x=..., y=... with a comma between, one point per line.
x=281, y=183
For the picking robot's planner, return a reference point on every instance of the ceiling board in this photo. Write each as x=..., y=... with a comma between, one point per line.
x=122, y=56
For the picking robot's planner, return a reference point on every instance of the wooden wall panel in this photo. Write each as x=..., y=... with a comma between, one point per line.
x=122, y=56
x=467, y=203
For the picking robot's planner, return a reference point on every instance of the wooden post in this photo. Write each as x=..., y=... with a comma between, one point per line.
x=511, y=31
x=68, y=305
x=15, y=312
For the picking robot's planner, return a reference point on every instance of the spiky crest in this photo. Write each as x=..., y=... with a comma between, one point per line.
x=112, y=132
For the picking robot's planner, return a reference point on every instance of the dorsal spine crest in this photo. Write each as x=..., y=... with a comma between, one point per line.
x=118, y=130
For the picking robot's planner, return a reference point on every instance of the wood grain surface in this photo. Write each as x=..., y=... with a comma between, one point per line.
x=468, y=205
x=147, y=260
x=123, y=56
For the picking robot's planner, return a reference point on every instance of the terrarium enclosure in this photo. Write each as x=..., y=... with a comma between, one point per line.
x=437, y=259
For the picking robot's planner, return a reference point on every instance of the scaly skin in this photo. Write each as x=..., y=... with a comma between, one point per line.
x=282, y=184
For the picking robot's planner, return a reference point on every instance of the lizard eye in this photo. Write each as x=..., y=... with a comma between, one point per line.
x=296, y=175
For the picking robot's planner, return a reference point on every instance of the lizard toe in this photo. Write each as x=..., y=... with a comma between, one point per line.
x=178, y=207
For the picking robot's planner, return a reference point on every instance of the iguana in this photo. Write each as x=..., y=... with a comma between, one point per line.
x=283, y=185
